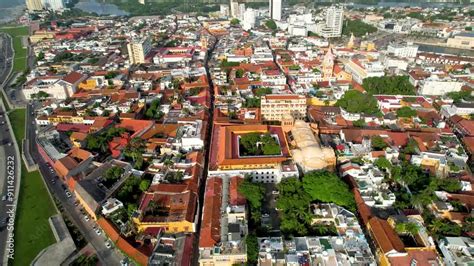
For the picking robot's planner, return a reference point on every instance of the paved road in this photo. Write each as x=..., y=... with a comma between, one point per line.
x=8, y=181
x=9, y=167
x=105, y=255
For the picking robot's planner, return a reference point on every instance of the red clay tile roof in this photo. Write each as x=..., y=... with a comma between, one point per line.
x=235, y=198
x=384, y=236
x=211, y=227
x=73, y=77
x=421, y=256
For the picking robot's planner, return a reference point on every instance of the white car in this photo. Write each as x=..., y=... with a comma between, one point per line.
x=86, y=218
x=98, y=232
x=68, y=194
x=107, y=244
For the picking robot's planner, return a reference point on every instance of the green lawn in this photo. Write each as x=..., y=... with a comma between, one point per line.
x=17, y=118
x=19, y=63
x=32, y=231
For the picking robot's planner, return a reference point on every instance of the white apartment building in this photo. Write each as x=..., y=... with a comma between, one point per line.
x=275, y=9
x=55, y=86
x=249, y=18
x=364, y=69
x=138, y=49
x=439, y=86
x=276, y=106
x=461, y=109
x=53, y=4
x=237, y=9
x=333, y=24
x=405, y=51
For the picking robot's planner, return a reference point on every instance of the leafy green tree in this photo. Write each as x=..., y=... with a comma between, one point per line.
x=239, y=73
x=406, y=111
x=252, y=248
x=459, y=96
x=357, y=27
x=389, y=85
x=134, y=151
x=293, y=202
x=253, y=193
x=357, y=102
x=325, y=186
x=448, y=184
x=378, y=143
x=411, y=147
x=114, y=173
x=383, y=163
x=259, y=92
x=408, y=228
x=153, y=112
x=234, y=22
x=144, y=185
x=252, y=102
x=359, y=123
x=271, y=24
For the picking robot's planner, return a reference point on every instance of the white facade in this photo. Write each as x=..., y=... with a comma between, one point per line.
x=275, y=9
x=461, y=109
x=364, y=69
x=224, y=10
x=234, y=8
x=404, y=51
x=53, y=4
x=333, y=24
x=249, y=19
x=438, y=86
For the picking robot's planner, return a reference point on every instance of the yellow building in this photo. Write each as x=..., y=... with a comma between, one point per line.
x=88, y=84
x=34, y=5
x=274, y=107
x=41, y=35
x=169, y=207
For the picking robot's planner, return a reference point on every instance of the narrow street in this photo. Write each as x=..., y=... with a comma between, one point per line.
x=207, y=148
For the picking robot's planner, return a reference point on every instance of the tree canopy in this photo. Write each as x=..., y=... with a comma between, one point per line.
x=271, y=24
x=357, y=102
x=378, y=143
x=392, y=85
x=253, y=193
x=325, y=186
x=234, y=21
x=254, y=144
x=293, y=202
x=357, y=27
x=406, y=111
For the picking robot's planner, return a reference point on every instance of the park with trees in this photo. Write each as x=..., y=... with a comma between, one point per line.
x=392, y=85
x=354, y=101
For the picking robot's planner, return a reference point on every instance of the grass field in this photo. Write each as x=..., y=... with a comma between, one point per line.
x=21, y=53
x=17, y=118
x=32, y=231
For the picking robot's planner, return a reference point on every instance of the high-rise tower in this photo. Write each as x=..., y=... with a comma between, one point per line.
x=275, y=9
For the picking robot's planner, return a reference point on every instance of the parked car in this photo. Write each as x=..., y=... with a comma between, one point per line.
x=86, y=217
x=108, y=244
x=98, y=232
